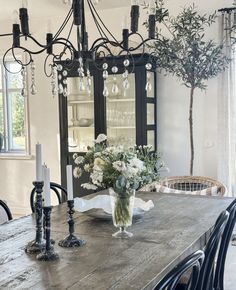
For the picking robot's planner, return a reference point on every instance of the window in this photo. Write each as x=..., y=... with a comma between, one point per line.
x=13, y=111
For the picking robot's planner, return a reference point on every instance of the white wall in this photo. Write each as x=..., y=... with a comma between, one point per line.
x=173, y=136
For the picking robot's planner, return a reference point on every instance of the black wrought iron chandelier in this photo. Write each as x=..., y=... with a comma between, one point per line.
x=82, y=53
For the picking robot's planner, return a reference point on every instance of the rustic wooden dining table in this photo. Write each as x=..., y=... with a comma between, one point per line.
x=174, y=228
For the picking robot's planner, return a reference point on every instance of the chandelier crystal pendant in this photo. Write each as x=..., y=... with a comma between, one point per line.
x=80, y=53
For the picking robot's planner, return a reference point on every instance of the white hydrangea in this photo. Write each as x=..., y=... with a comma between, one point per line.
x=89, y=186
x=97, y=176
x=137, y=163
x=130, y=172
x=77, y=172
x=119, y=165
x=101, y=138
x=79, y=160
x=86, y=167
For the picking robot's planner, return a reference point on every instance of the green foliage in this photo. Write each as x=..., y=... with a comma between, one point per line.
x=118, y=167
x=185, y=53
x=18, y=115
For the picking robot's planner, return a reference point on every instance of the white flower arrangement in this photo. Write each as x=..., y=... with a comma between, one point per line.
x=117, y=167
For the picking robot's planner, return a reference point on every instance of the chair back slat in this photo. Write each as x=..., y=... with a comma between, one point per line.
x=211, y=249
x=192, y=262
x=54, y=187
x=226, y=237
x=5, y=213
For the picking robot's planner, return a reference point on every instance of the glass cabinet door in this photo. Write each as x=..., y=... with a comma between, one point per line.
x=151, y=110
x=80, y=105
x=120, y=111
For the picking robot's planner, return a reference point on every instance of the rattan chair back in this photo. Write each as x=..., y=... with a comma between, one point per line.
x=187, y=183
x=193, y=183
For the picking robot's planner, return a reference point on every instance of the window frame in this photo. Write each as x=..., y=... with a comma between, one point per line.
x=9, y=152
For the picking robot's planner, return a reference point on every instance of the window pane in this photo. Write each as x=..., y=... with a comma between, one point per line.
x=14, y=79
x=1, y=123
x=151, y=138
x=17, y=122
x=150, y=114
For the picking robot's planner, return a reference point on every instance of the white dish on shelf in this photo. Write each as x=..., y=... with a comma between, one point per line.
x=85, y=122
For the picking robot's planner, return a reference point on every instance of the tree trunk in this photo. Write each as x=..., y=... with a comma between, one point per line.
x=191, y=129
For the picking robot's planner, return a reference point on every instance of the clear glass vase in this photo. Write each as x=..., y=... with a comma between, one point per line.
x=122, y=211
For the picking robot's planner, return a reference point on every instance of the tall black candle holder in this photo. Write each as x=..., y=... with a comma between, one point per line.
x=71, y=240
x=37, y=245
x=48, y=253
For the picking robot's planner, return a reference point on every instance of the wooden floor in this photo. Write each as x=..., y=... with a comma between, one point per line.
x=230, y=269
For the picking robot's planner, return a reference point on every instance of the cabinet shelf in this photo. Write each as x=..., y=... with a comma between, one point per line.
x=120, y=100
x=120, y=127
x=71, y=103
x=80, y=127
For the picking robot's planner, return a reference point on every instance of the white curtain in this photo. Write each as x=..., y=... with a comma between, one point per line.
x=227, y=108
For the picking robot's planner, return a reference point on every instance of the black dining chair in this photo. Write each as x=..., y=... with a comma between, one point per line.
x=5, y=213
x=192, y=263
x=207, y=272
x=54, y=187
x=226, y=237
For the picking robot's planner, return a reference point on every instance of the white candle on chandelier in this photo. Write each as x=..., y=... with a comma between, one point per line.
x=49, y=26
x=15, y=17
x=152, y=7
x=69, y=182
x=46, y=188
x=125, y=22
x=39, y=162
x=134, y=2
x=24, y=3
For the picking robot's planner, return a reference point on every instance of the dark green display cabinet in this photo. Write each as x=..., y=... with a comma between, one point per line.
x=127, y=115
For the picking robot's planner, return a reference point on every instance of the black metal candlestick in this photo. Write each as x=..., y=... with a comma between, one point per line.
x=71, y=240
x=37, y=245
x=48, y=253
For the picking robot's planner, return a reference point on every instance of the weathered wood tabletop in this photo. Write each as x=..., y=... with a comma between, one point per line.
x=174, y=228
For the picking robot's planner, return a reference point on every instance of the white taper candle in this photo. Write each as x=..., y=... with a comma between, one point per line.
x=69, y=182
x=47, y=193
x=39, y=176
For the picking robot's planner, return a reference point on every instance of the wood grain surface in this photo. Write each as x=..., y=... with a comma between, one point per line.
x=174, y=228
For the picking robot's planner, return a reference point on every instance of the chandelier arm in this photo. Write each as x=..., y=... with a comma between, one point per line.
x=66, y=20
x=98, y=16
x=6, y=34
x=16, y=59
x=68, y=43
x=36, y=41
x=4, y=61
x=99, y=28
x=107, y=48
x=45, y=67
x=44, y=47
x=67, y=39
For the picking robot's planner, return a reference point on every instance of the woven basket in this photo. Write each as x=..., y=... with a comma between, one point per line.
x=187, y=183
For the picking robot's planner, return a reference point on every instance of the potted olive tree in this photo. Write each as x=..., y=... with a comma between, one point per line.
x=186, y=54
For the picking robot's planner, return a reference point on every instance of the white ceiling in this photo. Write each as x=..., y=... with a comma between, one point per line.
x=39, y=8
